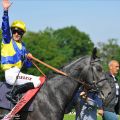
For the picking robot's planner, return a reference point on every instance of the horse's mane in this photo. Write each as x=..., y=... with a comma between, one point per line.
x=78, y=64
x=74, y=62
x=70, y=68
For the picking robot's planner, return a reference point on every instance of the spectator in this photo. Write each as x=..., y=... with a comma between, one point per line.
x=85, y=105
x=111, y=104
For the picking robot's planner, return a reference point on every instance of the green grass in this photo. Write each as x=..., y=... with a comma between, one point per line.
x=72, y=117
x=69, y=117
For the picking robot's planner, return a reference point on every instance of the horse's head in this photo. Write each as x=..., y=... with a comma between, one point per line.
x=87, y=71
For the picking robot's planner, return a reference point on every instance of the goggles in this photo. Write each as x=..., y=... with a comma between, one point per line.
x=17, y=30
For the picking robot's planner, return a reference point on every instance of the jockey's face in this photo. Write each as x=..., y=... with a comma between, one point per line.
x=17, y=34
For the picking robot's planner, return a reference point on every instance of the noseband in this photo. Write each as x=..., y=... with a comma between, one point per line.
x=95, y=78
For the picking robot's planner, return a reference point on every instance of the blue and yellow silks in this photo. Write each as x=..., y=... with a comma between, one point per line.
x=12, y=54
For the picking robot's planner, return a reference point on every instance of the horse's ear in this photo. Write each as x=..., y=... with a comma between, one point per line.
x=94, y=54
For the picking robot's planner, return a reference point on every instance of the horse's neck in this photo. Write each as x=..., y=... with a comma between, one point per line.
x=67, y=86
x=64, y=87
x=59, y=91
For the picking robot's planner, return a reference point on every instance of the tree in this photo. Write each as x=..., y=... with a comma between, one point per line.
x=79, y=42
x=109, y=51
x=57, y=47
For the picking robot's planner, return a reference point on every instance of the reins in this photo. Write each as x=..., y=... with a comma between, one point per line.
x=60, y=72
x=56, y=70
x=45, y=64
x=86, y=86
x=38, y=68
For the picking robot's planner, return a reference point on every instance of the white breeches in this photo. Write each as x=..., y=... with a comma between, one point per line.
x=11, y=77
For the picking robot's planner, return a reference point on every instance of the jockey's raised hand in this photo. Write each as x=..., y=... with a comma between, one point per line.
x=6, y=4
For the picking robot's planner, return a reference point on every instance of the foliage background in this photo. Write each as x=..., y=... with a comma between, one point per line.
x=56, y=47
x=59, y=47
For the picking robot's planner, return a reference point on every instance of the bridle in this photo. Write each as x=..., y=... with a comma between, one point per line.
x=96, y=79
x=83, y=82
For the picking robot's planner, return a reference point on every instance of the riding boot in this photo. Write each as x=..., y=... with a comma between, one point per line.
x=12, y=96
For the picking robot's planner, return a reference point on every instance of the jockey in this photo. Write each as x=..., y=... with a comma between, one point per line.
x=14, y=55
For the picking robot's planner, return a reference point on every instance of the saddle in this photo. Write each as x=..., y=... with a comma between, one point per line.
x=5, y=103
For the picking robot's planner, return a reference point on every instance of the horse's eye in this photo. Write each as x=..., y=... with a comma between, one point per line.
x=99, y=69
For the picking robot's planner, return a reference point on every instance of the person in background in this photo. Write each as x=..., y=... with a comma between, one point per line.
x=14, y=55
x=111, y=104
x=85, y=105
